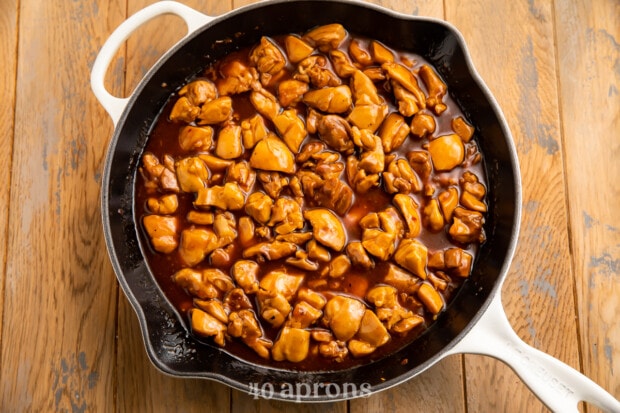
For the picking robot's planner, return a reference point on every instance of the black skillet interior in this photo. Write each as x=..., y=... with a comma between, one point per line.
x=167, y=342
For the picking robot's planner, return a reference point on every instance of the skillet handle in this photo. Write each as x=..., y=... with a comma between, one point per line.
x=557, y=385
x=112, y=104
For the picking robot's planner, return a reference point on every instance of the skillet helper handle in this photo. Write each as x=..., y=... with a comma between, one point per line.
x=115, y=105
x=556, y=384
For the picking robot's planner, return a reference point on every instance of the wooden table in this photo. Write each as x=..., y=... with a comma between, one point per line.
x=69, y=339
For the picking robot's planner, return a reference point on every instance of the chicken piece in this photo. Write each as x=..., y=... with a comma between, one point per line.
x=380, y=53
x=393, y=132
x=380, y=240
x=420, y=161
x=313, y=70
x=329, y=99
x=215, y=111
x=401, y=279
x=436, y=89
x=293, y=344
x=247, y=236
x=467, y=226
x=303, y=315
x=224, y=226
x=282, y=283
x=291, y=128
x=236, y=300
x=258, y=206
x=273, y=183
x=243, y=324
x=253, y=130
x=447, y=152
x=372, y=331
x=374, y=73
x=473, y=192
x=214, y=163
x=228, y=145
x=383, y=296
x=313, y=298
x=341, y=63
x=192, y=174
x=361, y=56
x=317, y=252
x=286, y=216
x=412, y=255
x=339, y=266
x=334, y=130
x=343, y=315
x=359, y=178
x=196, y=138
x=462, y=128
x=184, y=111
x=422, y=125
x=236, y=77
x=272, y=154
x=268, y=59
x=197, y=283
x=296, y=49
x=432, y=218
x=200, y=218
x=400, y=177
x=270, y=250
x=409, y=210
x=157, y=175
x=213, y=307
x=448, y=200
x=245, y=273
x=164, y=205
x=329, y=193
x=458, y=261
x=333, y=349
x=372, y=158
x=359, y=348
x=195, y=244
x=163, y=232
x=291, y=91
x=298, y=238
x=408, y=105
x=199, y=91
x=228, y=197
x=358, y=255
x=402, y=76
x=302, y=261
x=265, y=103
x=395, y=317
x=326, y=228
x=327, y=37
x=242, y=174
x=369, y=109
x=274, y=307
x=206, y=325
x=431, y=299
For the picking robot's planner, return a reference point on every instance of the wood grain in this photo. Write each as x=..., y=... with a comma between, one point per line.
x=8, y=48
x=588, y=64
x=518, y=65
x=60, y=309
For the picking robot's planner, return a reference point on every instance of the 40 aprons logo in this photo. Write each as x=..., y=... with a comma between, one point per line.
x=299, y=391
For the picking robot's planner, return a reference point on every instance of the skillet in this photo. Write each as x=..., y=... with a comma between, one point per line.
x=474, y=322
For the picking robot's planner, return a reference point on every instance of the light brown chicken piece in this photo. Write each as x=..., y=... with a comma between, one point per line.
x=228, y=145
x=293, y=345
x=242, y=174
x=215, y=111
x=395, y=317
x=380, y=53
x=447, y=152
x=192, y=174
x=291, y=91
x=372, y=158
x=401, y=76
x=343, y=315
x=303, y=315
x=326, y=228
x=371, y=331
x=361, y=56
x=422, y=125
x=253, y=130
x=270, y=250
x=393, y=132
x=330, y=99
x=163, y=205
x=401, y=279
x=326, y=37
x=206, y=325
x=296, y=49
x=199, y=91
x=258, y=206
x=436, y=89
x=228, y=197
x=432, y=218
x=272, y=154
x=291, y=128
x=196, y=138
x=286, y=216
x=400, y=177
x=467, y=226
x=163, y=232
x=245, y=273
x=236, y=77
x=334, y=130
x=184, y=111
x=158, y=175
x=358, y=255
x=381, y=232
x=265, y=103
x=196, y=244
x=369, y=109
x=412, y=255
x=341, y=63
x=409, y=210
x=314, y=70
x=268, y=59
x=243, y=324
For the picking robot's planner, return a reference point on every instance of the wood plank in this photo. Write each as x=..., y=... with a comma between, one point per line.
x=588, y=55
x=518, y=63
x=141, y=387
x=60, y=294
x=8, y=48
